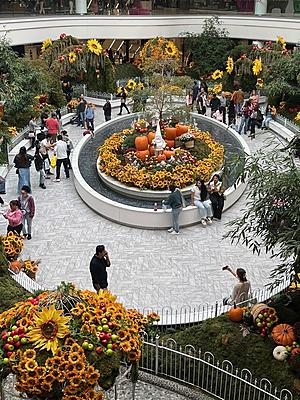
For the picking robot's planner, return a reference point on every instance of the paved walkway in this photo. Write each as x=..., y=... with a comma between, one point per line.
x=149, y=268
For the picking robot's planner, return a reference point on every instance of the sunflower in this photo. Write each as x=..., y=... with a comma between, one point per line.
x=30, y=365
x=297, y=118
x=75, y=381
x=217, y=74
x=257, y=66
x=46, y=43
x=131, y=84
x=49, y=326
x=141, y=86
x=171, y=49
x=30, y=353
x=12, y=130
x=281, y=41
x=94, y=46
x=74, y=357
x=260, y=82
x=229, y=65
x=217, y=89
x=125, y=346
x=72, y=57
x=79, y=366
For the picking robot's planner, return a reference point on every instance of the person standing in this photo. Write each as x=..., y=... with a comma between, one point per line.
x=61, y=151
x=241, y=290
x=223, y=105
x=231, y=114
x=22, y=163
x=32, y=131
x=244, y=122
x=27, y=205
x=123, y=102
x=98, y=265
x=216, y=193
x=53, y=127
x=70, y=146
x=89, y=117
x=201, y=102
x=39, y=166
x=14, y=217
x=214, y=104
x=200, y=199
x=81, y=111
x=175, y=201
x=107, y=110
x=238, y=97
x=44, y=117
x=44, y=148
x=196, y=91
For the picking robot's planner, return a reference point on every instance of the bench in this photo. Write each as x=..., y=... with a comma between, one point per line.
x=281, y=131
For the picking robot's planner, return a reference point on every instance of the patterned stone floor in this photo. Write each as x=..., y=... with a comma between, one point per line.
x=149, y=268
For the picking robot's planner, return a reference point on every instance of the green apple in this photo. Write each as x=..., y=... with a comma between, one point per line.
x=259, y=324
x=109, y=346
x=105, y=328
x=99, y=328
x=104, y=320
x=109, y=352
x=5, y=360
x=14, y=328
x=114, y=337
x=85, y=345
x=260, y=316
x=16, y=338
x=24, y=340
x=11, y=347
x=90, y=346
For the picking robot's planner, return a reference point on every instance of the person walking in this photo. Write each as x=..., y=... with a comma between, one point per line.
x=32, y=131
x=216, y=194
x=107, y=110
x=98, y=265
x=89, y=117
x=200, y=199
x=241, y=290
x=44, y=147
x=27, y=205
x=22, y=163
x=214, y=104
x=53, y=127
x=14, y=217
x=123, y=102
x=39, y=165
x=223, y=107
x=238, y=97
x=175, y=201
x=61, y=151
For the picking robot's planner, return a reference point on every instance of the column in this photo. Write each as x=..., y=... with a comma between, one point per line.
x=261, y=7
x=81, y=7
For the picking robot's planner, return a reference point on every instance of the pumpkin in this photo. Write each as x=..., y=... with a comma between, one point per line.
x=143, y=154
x=181, y=129
x=150, y=136
x=161, y=157
x=170, y=133
x=280, y=353
x=15, y=266
x=152, y=150
x=283, y=334
x=170, y=143
x=141, y=143
x=168, y=153
x=236, y=313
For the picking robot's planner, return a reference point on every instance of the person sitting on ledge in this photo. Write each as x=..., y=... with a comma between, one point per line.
x=241, y=289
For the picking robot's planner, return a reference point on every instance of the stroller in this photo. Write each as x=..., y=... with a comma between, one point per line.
x=74, y=120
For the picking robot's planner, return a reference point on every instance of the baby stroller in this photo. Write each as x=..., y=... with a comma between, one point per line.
x=74, y=120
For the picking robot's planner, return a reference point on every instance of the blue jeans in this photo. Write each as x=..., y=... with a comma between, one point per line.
x=175, y=218
x=243, y=124
x=24, y=178
x=266, y=122
x=204, y=208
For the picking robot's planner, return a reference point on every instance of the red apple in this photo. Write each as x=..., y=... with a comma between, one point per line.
x=104, y=342
x=18, y=344
x=9, y=353
x=114, y=346
x=99, y=349
x=6, y=346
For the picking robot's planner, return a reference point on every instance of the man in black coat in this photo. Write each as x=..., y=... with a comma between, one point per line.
x=98, y=265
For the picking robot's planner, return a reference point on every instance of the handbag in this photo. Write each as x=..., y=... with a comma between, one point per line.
x=31, y=135
x=53, y=161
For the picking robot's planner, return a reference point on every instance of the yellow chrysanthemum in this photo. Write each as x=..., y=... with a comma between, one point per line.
x=72, y=57
x=217, y=74
x=297, y=118
x=260, y=82
x=48, y=326
x=229, y=65
x=218, y=88
x=281, y=41
x=46, y=43
x=94, y=46
x=257, y=66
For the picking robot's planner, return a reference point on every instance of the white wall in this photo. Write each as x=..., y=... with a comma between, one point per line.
x=34, y=30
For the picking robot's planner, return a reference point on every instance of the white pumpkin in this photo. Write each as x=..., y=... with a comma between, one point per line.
x=280, y=353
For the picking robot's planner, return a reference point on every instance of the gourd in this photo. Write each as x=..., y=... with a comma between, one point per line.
x=170, y=143
x=236, y=313
x=280, y=353
x=168, y=153
x=143, y=154
x=283, y=334
x=181, y=129
x=15, y=266
x=152, y=150
x=150, y=136
x=141, y=143
x=170, y=133
x=161, y=157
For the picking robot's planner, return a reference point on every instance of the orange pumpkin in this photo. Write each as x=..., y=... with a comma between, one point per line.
x=181, y=129
x=152, y=150
x=150, y=136
x=15, y=266
x=161, y=157
x=168, y=153
x=143, y=154
x=283, y=334
x=170, y=143
x=236, y=313
x=141, y=143
x=170, y=133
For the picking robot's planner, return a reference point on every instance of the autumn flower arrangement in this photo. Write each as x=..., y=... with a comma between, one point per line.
x=67, y=344
x=153, y=172
x=12, y=245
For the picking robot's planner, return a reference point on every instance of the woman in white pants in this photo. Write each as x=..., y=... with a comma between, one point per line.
x=200, y=199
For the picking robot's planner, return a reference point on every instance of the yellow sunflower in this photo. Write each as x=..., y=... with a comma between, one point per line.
x=94, y=46
x=229, y=65
x=217, y=74
x=72, y=57
x=46, y=43
x=171, y=49
x=131, y=84
x=260, y=82
x=281, y=41
x=257, y=66
x=141, y=86
x=218, y=88
x=12, y=130
x=297, y=118
x=49, y=326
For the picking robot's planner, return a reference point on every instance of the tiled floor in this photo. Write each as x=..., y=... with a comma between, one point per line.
x=149, y=268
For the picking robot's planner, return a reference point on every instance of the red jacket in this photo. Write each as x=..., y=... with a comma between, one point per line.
x=52, y=125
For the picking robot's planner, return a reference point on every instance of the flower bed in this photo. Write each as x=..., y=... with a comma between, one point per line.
x=121, y=160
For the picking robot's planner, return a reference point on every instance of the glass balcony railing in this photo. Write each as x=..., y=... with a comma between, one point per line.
x=23, y=8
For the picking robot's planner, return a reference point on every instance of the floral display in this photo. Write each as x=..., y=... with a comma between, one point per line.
x=297, y=118
x=257, y=66
x=260, y=82
x=12, y=245
x=72, y=57
x=281, y=42
x=229, y=65
x=146, y=171
x=12, y=130
x=131, y=84
x=67, y=344
x=218, y=88
x=30, y=267
x=94, y=46
x=217, y=74
x=72, y=105
x=46, y=43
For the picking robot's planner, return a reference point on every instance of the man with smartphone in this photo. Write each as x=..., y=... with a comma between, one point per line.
x=98, y=265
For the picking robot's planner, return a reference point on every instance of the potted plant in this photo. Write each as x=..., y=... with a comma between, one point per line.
x=188, y=139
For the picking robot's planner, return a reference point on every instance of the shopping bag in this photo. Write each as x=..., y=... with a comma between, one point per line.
x=53, y=161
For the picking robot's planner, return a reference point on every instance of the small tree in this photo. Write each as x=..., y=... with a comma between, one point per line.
x=271, y=219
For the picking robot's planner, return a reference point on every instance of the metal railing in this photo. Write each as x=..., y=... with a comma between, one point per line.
x=202, y=371
x=287, y=123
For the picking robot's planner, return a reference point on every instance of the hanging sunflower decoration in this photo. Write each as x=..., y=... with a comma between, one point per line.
x=94, y=46
x=131, y=84
x=229, y=65
x=46, y=43
x=170, y=49
x=72, y=57
x=260, y=82
x=12, y=244
x=218, y=88
x=281, y=42
x=69, y=342
x=217, y=74
x=297, y=117
x=257, y=66
x=12, y=130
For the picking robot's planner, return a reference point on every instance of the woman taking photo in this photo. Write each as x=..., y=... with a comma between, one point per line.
x=200, y=199
x=241, y=289
x=216, y=193
x=14, y=217
x=22, y=163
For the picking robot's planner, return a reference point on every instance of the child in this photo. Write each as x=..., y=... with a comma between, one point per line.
x=14, y=217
